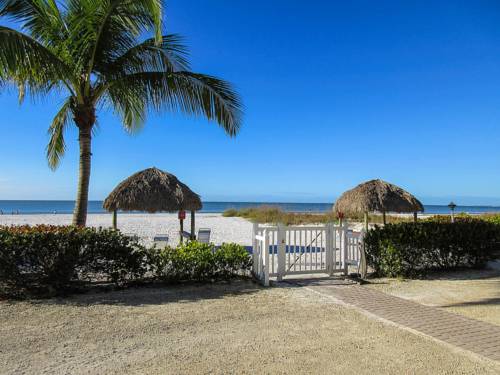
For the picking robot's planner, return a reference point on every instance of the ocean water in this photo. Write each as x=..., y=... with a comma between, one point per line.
x=66, y=207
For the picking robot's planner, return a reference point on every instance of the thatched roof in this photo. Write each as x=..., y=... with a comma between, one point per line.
x=377, y=196
x=152, y=190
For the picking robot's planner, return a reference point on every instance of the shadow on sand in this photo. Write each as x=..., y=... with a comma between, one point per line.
x=495, y=301
x=157, y=294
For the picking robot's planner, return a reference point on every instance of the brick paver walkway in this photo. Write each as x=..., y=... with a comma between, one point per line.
x=476, y=336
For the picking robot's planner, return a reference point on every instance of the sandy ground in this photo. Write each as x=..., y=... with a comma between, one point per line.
x=223, y=328
x=473, y=293
x=146, y=226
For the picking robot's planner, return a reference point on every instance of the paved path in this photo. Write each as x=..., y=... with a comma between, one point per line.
x=476, y=336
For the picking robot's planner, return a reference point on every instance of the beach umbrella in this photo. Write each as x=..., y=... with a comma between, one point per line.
x=153, y=190
x=377, y=196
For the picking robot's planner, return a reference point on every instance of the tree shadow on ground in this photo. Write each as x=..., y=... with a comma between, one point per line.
x=158, y=294
x=495, y=301
x=491, y=271
x=464, y=274
x=309, y=281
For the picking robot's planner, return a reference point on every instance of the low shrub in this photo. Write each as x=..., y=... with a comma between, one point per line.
x=411, y=249
x=53, y=259
x=45, y=260
x=195, y=261
x=461, y=217
x=489, y=217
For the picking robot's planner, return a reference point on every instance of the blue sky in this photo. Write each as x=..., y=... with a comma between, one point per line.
x=335, y=93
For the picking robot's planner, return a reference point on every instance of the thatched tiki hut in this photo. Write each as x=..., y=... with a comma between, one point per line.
x=153, y=190
x=377, y=196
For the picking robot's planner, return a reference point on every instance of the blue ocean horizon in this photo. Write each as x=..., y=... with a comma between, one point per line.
x=94, y=207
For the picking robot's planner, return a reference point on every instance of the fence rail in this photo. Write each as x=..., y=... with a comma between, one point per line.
x=280, y=250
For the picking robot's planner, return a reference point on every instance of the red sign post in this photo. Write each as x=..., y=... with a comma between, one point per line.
x=182, y=215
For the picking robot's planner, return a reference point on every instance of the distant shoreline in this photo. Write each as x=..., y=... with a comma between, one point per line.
x=40, y=207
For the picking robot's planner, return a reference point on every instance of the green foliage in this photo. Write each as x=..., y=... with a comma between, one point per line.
x=230, y=213
x=411, y=249
x=231, y=258
x=53, y=259
x=463, y=217
x=270, y=214
x=391, y=262
x=195, y=261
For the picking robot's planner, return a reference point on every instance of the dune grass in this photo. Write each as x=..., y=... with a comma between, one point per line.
x=272, y=214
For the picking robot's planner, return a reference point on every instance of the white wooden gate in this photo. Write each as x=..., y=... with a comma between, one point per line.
x=280, y=250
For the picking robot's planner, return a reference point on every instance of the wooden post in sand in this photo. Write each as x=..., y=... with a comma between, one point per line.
x=383, y=217
x=193, y=228
x=366, y=221
x=181, y=222
x=181, y=216
x=415, y=218
x=115, y=221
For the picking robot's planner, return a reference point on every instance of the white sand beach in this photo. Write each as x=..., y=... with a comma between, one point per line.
x=146, y=226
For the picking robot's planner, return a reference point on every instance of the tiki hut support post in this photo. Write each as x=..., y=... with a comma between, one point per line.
x=383, y=217
x=193, y=227
x=181, y=222
x=415, y=218
x=115, y=214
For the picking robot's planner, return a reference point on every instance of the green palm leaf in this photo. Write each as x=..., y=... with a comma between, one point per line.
x=57, y=146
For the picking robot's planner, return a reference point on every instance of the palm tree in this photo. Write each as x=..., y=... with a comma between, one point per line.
x=95, y=52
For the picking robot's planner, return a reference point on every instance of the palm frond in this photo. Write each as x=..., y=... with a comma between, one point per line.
x=128, y=103
x=56, y=146
x=42, y=19
x=191, y=93
x=102, y=30
x=170, y=55
x=27, y=61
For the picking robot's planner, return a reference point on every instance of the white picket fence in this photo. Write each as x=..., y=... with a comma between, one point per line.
x=280, y=250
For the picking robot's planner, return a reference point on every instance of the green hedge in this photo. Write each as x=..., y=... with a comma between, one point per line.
x=52, y=260
x=199, y=262
x=412, y=249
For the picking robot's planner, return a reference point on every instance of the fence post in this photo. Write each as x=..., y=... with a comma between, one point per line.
x=265, y=257
x=330, y=232
x=255, y=229
x=345, y=249
x=281, y=251
x=362, y=261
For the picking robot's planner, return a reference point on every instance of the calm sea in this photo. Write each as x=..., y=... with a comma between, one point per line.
x=66, y=207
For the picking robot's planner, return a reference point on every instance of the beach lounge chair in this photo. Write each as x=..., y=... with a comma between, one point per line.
x=204, y=235
x=186, y=235
x=131, y=235
x=160, y=240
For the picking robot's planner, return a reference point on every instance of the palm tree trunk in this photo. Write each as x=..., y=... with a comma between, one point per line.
x=84, y=117
x=82, y=197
